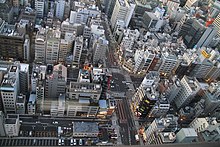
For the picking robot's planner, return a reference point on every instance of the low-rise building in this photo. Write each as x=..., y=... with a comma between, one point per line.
x=186, y=135
x=12, y=126
x=31, y=105
x=85, y=129
x=204, y=124
x=21, y=104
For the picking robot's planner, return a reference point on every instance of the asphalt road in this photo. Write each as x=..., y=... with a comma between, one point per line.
x=118, y=83
x=126, y=123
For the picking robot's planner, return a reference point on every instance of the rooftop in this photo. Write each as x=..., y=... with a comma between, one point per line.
x=189, y=132
x=10, y=121
x=21, y=99
x=32, y=98
x=192, y=82
x=10, y=30
x=168, y=137
x=85, y=127
x=84, y=87
x=24, y=67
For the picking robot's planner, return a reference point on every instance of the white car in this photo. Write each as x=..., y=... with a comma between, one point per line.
x=62, y=142
x=74, y=142
x=80, y=142
x=59, y=142
x=71, y=141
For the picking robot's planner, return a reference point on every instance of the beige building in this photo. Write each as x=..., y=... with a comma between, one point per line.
x=12, y=126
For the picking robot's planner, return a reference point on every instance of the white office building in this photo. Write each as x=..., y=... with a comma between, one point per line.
x=204, y=124
x=31, y=105
x=216, y=23
x=100, y=47
x=81, y=95
x=12, y=126
x=40, y=45
x=10, y=89
x=172, y=6
x=53, y=46
x=60, y=8
x=39, y=7
x=21, y=104
x=190, y=3
x=143, y=59
x=77, y=50
x=73, y=16
x=123, y=11
x=189, y=88
x=169, y=62
x=24, y=78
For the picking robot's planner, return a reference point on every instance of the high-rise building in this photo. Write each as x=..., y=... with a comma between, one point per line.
x=190, y=3
x=100, y=46
x=10, y=89
x=38, y=83
x=74, y=28
x=6, y=12
x=173, y=89
x=169, y=62
x=58, y=107
x=31, y=105
x=73, y=16
x=55, y=85
x=207, y=37
x=123, y=11
x=40, y=45
x=24, y=78
x=160, y=108
x=77, y=50
x=12, y=42
x=159, y=125
x=196, y=34
x=39, y=7
x=146, y=96
x=12, y=126
x=21, y=104
x=65, y=47
x=53, y=46
x=143, y=59
x=203, y=124
x=189, y=88
x=172, y=6
x=2, y=121
x=216, y=23
x=211, y=99
x=83, y=99
x=109, y=7
x=60, y=8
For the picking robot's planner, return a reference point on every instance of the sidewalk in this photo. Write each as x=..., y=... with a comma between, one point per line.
x=117, y=127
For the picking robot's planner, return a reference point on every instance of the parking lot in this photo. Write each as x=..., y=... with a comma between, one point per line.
x=37, y=142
